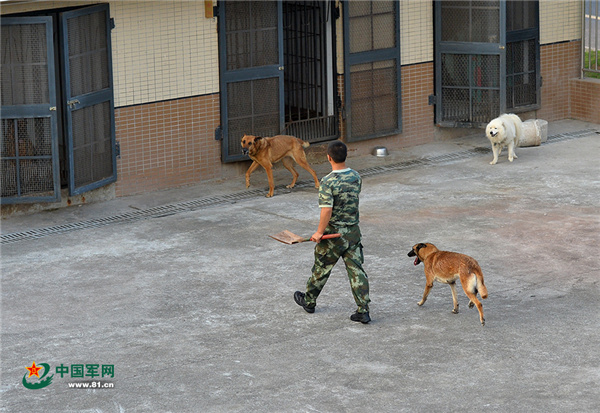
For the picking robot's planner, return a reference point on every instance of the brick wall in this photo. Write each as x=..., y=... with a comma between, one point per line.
x=418, y=115
x=167, y=144
x=585, y=99
x=560, y=62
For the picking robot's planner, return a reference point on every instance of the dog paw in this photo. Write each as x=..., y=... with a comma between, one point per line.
x=455, y=311
x=290, y=186
x=420, y=303
x=483, y=322
x=493, y=162
x=471, y=304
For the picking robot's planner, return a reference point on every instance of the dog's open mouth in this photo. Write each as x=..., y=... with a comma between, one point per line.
x=412, y=253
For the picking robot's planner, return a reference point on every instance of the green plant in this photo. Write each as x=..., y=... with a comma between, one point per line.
x=592, y=65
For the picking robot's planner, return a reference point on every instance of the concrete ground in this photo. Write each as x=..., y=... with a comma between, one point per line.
x=184, y=294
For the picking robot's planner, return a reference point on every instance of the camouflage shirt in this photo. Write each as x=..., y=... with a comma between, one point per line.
x=339, y=190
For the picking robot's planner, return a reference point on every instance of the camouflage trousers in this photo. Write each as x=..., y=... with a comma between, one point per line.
x=327, y=254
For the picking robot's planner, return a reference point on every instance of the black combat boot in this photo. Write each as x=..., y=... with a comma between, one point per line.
x=362, y=317
x=299, y=299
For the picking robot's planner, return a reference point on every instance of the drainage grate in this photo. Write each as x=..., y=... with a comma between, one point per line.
x=571, y=135
x=155, y=212
x=172, y=209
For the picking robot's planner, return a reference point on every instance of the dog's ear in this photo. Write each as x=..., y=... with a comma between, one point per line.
x=421, y=245
x=260, y=143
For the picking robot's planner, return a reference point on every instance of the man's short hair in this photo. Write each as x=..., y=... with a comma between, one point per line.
x=338, y=151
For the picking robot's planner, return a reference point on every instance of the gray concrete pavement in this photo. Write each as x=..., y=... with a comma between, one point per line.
x=192, y=302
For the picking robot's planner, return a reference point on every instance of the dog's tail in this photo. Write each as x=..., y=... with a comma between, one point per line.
x=481, y=288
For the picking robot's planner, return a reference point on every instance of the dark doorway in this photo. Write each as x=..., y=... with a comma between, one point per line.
x=309, y=109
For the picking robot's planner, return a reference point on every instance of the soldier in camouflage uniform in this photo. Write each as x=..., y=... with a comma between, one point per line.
x=338, y=200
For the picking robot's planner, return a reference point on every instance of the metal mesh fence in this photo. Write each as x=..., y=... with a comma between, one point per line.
x=253, y=108
x=251, y=41
x=372, y=25
x=471, y=21
x=24, y=69
x=374, y=88
x=88, y=54
x=521, y=82
x=26, y=146
x=470, y=87
x=251, y=34
x=521, y=15
x=374, y=91
x=92, y=145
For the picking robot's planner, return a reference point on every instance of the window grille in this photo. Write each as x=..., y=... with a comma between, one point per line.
x=590, y=47
x=487, y=60
x=372, y=69
x=522, y=56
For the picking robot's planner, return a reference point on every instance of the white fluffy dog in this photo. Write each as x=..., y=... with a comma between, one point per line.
x=505, y=130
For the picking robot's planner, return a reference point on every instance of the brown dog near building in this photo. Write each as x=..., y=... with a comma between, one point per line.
x=267, y=151
x=447, y=267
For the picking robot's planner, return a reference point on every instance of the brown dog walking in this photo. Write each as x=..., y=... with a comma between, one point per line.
x=267, y=151
x=447, y=267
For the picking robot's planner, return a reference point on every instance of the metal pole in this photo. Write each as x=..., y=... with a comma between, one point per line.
x=582, y=38
x=596, y=27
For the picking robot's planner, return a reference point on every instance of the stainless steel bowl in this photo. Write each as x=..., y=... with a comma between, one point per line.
x=380, y=151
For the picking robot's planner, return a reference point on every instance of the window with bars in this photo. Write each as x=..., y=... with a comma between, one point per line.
x=487, y=60
x=251, y=72
x=522, y=56
x=372, y=69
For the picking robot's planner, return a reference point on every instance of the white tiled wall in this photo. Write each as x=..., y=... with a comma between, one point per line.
x=416, y=31
x=163, y=50
x=560, y=20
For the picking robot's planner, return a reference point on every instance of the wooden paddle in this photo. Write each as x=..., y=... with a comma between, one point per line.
x=290, y=238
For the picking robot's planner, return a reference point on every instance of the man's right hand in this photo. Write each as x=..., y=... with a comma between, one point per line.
x=316, y=237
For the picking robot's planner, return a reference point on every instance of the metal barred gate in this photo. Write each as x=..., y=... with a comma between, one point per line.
x=251, y=72
x=372, y=69
x=487, y=60
x=310, y=111
x=276, y=72
x=57, y=119
x=29, y=139
x=90, y=125
x=470, y=62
